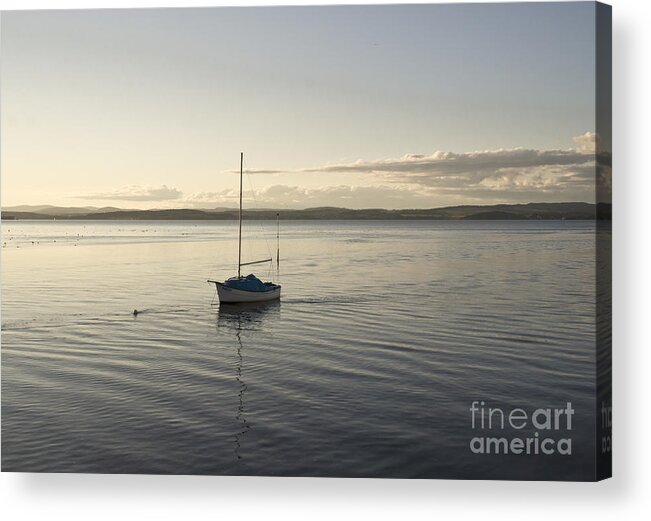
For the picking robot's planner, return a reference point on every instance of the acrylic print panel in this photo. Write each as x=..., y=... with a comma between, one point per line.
x=333, y=241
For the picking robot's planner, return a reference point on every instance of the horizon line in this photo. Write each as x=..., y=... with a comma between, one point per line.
x=270, y=208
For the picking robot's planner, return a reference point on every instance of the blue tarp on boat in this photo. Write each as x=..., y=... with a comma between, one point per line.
x=248, y=283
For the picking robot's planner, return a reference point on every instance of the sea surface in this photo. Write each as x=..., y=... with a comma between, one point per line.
x=386, y=333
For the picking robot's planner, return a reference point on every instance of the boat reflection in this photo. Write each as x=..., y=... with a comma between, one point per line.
x=247, y=315
x=238, y=319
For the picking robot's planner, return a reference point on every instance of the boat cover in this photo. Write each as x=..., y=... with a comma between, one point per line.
x=248, y=283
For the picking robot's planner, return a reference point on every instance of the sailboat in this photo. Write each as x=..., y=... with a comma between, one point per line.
x=249, y=288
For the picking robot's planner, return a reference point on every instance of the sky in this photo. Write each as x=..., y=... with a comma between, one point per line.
x=359, y=106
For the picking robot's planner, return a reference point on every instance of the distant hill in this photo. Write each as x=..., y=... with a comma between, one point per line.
x=495, y=215
x=477, y=212
x=13, y=216
x=523, y=211
x=57, y=211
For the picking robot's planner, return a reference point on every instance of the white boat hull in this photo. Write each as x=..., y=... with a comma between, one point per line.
x=232, y=295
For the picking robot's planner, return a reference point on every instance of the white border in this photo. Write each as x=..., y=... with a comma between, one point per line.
x=78, y=496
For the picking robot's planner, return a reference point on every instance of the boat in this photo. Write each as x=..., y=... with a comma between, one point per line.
x=249, y=288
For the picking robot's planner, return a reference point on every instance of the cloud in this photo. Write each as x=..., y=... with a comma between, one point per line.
x=202, y=197
x=287, y=196
x=587, y=143
x=223, y=198
x=418, y=180
x=451, y=163
x=502, y=175
x=257, y=171
x=137, y=193
x=343, y=196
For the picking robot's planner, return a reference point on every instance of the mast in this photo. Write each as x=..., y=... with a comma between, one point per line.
x=277, y=240
x=239, y=248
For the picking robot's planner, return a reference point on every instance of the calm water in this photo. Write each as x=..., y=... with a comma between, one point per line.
x=385, y=334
